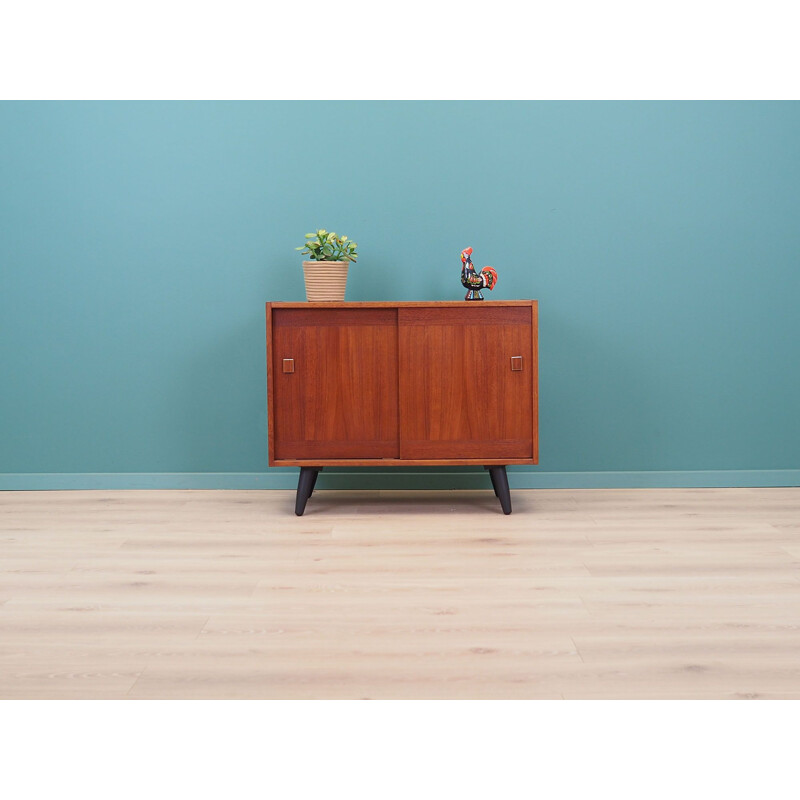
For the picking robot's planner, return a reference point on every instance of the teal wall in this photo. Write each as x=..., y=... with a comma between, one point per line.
x=139, y=241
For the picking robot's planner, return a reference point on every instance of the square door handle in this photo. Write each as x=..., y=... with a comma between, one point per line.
x=288, y=365
x=516, y=363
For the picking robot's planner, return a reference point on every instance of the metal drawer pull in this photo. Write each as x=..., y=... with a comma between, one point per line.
x=516, y=363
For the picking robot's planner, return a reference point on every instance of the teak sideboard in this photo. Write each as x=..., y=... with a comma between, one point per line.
x=402, y=384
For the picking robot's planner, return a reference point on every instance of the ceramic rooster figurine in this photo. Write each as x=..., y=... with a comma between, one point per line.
x=474, y=282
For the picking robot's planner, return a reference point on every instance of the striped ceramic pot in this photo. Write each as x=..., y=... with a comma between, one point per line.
x=325, y=280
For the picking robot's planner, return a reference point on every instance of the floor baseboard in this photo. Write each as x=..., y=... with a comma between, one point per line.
x=284, y=478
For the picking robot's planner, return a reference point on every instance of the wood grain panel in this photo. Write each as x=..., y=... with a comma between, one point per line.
x=473, y=313
x=319, y=451
x=459, y=397
x=483, y=450
x=341, y=398
x=302, y=317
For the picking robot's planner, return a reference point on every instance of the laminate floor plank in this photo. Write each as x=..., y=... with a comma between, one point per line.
x=641, y=593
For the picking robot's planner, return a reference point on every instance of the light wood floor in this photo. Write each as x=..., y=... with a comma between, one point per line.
x=226, y=594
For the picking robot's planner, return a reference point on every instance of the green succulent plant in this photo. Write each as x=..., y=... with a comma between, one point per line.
x=324, y=246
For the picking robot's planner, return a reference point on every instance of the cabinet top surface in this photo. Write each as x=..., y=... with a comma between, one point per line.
x=407, y=304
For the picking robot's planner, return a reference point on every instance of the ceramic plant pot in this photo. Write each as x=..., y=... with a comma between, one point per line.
x=325, y=280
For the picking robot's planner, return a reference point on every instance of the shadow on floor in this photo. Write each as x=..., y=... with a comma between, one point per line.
x=410, y=502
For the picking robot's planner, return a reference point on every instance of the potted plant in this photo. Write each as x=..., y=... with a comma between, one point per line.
x=325, y=272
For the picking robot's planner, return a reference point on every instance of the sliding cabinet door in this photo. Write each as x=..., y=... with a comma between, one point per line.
x=466, y=382
x=334, y=374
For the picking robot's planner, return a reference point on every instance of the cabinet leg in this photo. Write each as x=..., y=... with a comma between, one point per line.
x=305, y=485
x=494, y=485
x=500, y=483
x=314, y=480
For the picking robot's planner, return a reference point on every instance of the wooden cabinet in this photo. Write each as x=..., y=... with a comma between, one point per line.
x=359, y=384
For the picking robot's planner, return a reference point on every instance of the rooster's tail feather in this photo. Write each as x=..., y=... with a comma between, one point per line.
x=490, y=277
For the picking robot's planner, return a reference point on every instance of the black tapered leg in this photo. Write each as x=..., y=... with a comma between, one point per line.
x=494, y=485
x=305, y=485
x=314, y=480
x=500, y=482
